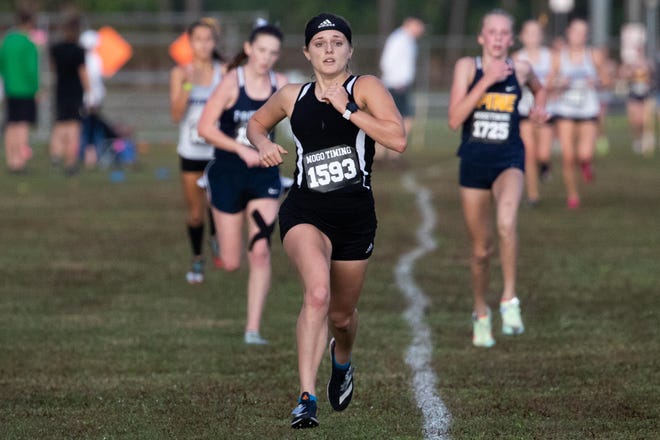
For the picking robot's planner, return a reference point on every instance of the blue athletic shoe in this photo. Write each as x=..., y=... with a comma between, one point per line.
x=304, y=415
x=340, y=386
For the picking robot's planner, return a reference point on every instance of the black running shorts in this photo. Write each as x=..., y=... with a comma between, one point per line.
x=192, y=165
x=21, y=110
x=348, y=220
x=68, y=110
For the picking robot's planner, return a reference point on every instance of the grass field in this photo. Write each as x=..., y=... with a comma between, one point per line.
x=101, y=337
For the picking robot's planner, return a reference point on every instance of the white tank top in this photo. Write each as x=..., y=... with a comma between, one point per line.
x=580, y=99
x=541, y=69
x=191, y=145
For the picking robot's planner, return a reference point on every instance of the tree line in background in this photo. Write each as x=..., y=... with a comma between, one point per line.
x=444, y=17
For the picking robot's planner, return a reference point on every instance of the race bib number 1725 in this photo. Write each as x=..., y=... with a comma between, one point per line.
x=490, y=127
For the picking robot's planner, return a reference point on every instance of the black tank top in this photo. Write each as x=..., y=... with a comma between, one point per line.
x=333, y=155
x=233, y=121
x=492, y=131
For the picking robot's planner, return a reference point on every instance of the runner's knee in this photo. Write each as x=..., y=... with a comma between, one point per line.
x=259, y=255
x=341, y=321
x=506, y=227
x=265, y=230
x=195, y=220
x=482, y=254
x=230, y=263
x=317, y=297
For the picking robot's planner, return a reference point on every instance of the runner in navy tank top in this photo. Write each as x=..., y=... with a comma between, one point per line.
x=484, y=101
x=328, y=221
x=490, y=141
x=240, y=190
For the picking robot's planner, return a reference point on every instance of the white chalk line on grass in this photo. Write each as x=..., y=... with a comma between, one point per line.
x=436, y=416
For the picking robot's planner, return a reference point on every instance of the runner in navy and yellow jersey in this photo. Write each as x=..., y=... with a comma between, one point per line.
x=484, y=101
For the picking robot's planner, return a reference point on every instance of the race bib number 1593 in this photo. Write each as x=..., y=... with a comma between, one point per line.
x=332, y=168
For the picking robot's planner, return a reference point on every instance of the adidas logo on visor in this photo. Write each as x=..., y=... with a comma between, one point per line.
x=325, y=23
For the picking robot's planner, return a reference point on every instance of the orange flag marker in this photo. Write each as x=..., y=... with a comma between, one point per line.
x=180, y=50
x=113, y=50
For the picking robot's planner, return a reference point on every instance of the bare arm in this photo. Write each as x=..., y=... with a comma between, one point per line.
x=278, y=107
x=178, y=95
x=378, y=115
x=600, y=63
x=527, y=76
x=555, y=83
x=462, y=102
x=223, y=97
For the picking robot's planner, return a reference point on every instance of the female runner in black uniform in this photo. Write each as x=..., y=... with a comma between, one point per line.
x=484, y=100
x=239, y=189
x=328, y=221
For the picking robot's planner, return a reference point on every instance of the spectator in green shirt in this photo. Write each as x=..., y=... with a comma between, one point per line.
x=19, y=68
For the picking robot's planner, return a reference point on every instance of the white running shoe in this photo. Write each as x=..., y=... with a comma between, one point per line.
x=482, y=334
x=254, y=338
x=511, y=320
x=196, y=273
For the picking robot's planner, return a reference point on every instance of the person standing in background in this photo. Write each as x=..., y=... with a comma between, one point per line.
x=19, y=69
x=72, y=82
x=397, y=64
x=92, y=128
x=190, y=88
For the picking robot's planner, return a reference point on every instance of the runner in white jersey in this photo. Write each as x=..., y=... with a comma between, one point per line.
x=577, y=73
x=191, y=145
x=190, y=87
x=537, y=137
x=637, y=71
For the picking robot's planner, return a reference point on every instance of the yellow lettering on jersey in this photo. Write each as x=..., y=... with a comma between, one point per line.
x=497, y=102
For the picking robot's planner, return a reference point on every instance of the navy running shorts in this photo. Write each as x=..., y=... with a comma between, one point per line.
x=349, y=221
x=232, y=186
x=482, y=175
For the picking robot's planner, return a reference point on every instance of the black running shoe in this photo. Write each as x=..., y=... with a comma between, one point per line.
x=340, y=386
x=304, y=415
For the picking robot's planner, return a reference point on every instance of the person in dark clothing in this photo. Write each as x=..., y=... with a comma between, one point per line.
x=484, y=101
x=328, y=220
x=68, y=62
